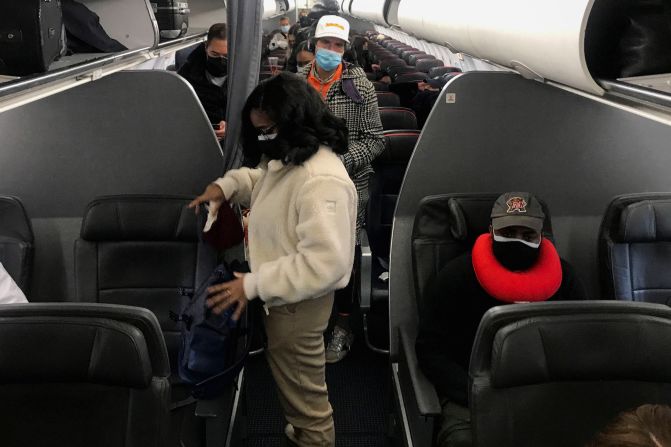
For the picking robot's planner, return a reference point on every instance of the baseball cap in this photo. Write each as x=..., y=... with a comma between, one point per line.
x=332, y=26
x=517, y=209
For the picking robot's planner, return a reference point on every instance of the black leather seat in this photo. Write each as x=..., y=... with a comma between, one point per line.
x=81, y=375
x=384, y=186
x=388, y=99
x=16, y=241
x=407, y=53
x=410, y=77
x=389, y=62
x=397, y=70
x=424, y=65
x=394, y=118
x=635, y=248
x=553, y=374
x=414, y=58
x=380, y=86
x=445, y=227
x=439, y=71
x=141, y=251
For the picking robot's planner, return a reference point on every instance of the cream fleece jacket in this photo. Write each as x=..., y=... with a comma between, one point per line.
x=301, y=226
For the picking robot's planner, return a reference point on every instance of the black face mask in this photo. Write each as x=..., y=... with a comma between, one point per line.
x=515, y=256
x=217, y=66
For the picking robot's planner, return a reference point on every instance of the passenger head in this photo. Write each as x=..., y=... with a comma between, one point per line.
x=303, y=55
x=331, y=38
x=285, y=119
x=645, y=426
x=516, y=226
x=216, y=49
x=285, y=25
x=291, y=35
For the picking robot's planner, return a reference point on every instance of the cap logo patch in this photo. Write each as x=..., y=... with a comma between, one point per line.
x=516, y=205
x=337, y=25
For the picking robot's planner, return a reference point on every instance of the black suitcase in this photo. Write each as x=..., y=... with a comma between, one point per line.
x=172, y=17
x=30, y=35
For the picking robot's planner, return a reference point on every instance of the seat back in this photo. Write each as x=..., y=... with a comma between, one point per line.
x=447, y=226
x=142, y=251
x=384, y=186
x=424, y=65
x=16, y=241
x=553, y=374
x=80, y=375
x=407, y=53
x=380, y=86
x=635, y=248
x=394, y=118
x=414, y=58
x=388, y=99
x=409, y=77
x=440, y=70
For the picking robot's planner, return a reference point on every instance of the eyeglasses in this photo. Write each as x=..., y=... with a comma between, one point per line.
x=266, y=131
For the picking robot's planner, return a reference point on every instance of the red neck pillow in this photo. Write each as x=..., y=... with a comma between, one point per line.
x=538, y=283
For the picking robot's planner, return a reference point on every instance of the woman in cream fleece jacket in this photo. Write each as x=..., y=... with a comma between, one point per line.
x=302, y=230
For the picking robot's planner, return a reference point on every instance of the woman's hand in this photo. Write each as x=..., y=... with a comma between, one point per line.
x=220, y=131
x=212, y=193
x=222, y=296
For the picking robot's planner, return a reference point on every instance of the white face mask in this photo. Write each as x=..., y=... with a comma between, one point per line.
x=498, y=238
x=267, y=137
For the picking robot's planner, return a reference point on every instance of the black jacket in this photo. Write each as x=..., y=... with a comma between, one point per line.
x=212, y=97
x=455, y=304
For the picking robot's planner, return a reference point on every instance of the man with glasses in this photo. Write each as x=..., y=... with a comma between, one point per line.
x=350, y=96
x=206, y=70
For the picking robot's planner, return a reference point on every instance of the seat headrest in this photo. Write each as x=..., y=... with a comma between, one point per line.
x=398, y=118
x=581, y=348
x=145, y=218
x=89, y=350
x=83, y=340
x=646, y=221
x=14, y=222
x=399, y=145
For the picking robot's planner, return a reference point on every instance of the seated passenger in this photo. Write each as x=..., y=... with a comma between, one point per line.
x=279, y=39
x=206, y=70
x=9, y=291
x=303, y=55
x=512, y=263
x=645, y=426
x=426, y=96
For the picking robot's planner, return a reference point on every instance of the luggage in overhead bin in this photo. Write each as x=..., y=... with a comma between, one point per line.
x=172, y=17
x=30, y=36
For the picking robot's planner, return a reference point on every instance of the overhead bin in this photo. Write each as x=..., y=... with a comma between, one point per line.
x=372, y=10
x=539, y=39
x=131, y=22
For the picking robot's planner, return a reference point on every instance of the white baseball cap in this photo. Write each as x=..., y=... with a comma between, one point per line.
x=332, y=26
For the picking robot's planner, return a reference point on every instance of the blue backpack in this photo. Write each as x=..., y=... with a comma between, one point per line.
x=213, y=347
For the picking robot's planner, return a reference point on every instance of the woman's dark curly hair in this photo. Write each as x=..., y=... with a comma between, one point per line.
x=303, y=121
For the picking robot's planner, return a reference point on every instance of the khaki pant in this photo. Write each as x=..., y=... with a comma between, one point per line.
x=296, y=357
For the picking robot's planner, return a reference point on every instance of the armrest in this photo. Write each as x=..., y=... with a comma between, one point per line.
x=417, y=385
x=365, y=271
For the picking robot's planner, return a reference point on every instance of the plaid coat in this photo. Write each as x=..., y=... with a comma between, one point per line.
x=366, y=141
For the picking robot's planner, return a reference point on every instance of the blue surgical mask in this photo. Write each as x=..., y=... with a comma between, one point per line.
x=285, y=28
x=327, y=59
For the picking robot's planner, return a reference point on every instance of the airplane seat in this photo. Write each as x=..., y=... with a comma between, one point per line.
x=380, y=86
x=412, y=77
x=142, y=251
x=397, y=70
x=414, y=58
x=439, y=71
x=397, y=50
x=16, y=241
x=388, y=99
x=81, y=375
x=396, y=118
x=538, y=369
x=371, y=76
x=635, y=248
x=424, y=65
x=388, y=62
x=406, y=53
x=384, y=186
